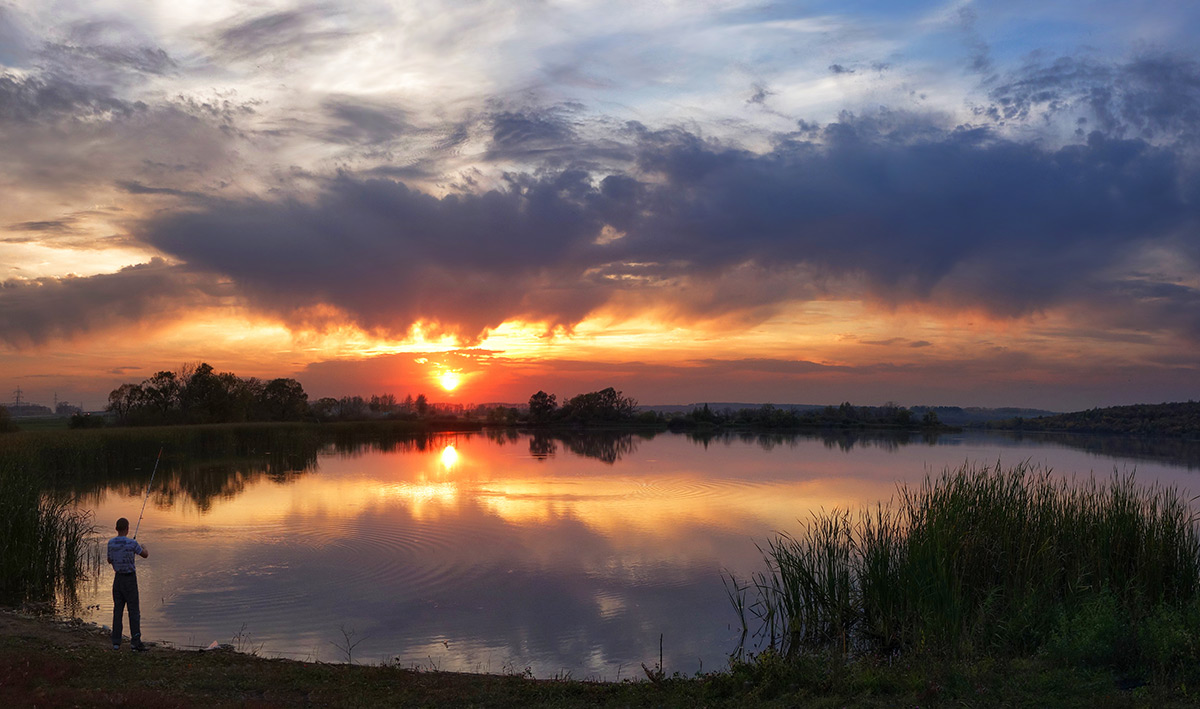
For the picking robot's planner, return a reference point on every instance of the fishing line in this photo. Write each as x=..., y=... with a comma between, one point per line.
x=147, y=498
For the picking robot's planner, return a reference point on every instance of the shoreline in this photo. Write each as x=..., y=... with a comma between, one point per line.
x=56, y=662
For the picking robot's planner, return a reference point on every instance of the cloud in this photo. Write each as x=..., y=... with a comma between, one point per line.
x=51, y=225
x=362, y=121
x=50, y=98
x=1154, y=96
x=905, y=206
x=286, y=33
x=135, y=187
x=38, y=310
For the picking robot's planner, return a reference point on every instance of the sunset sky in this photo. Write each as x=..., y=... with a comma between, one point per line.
x=972, y=203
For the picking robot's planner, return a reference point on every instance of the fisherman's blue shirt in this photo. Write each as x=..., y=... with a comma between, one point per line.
x=121, y=553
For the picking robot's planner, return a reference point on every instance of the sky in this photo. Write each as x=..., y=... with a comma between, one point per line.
x=957, y=203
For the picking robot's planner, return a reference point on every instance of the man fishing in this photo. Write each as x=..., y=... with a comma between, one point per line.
x=121, y=553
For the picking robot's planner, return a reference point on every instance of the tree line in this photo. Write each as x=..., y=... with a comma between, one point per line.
x=606, y=406
x=199, y=394
x=1170, y=419
x=767, y=416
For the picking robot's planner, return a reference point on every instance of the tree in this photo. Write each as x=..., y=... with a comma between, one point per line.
x=284, y=400
x=6, y=422
x=205, y=398
x=64, y=408
x=124, y=402
x=383, y=403
x=325, y=408
x=352, y=408
x=162, y=394
x=422, y=405
x=542, y=406
x=604, y=405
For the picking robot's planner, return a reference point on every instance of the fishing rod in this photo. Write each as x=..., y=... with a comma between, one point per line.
x=147, y=498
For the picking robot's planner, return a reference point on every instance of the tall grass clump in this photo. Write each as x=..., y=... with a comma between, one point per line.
x=44, y=541
x=979, y=560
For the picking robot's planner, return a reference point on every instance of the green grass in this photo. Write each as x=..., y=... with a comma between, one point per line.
x=987, y=562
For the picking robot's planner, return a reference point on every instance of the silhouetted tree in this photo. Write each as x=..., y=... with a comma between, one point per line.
x=284, y=400
x=6, y=422
x=542, y=406
x=604, y=405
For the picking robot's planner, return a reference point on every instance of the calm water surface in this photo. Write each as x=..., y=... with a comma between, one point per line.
x=504, y=552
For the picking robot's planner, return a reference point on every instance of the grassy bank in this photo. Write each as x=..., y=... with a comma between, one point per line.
x=984, y=563
x=52, y=664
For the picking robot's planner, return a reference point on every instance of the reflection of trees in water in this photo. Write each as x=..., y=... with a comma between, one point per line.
x=608, y=446
x=202, y=464
x=357, y=443
x=843, y=440
x=200, y=480
x=1171, y=451
x=542, y=446
x=502, y=436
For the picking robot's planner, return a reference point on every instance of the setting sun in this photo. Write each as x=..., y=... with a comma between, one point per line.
x=449, y=380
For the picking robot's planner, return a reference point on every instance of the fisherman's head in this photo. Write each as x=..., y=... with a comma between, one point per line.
x=122, y=526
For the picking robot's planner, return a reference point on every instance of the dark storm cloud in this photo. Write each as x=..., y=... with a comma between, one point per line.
x=391, y=256
x=904, y=207
x=37, y=310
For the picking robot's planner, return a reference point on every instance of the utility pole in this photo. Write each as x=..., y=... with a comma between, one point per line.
x=17, y=393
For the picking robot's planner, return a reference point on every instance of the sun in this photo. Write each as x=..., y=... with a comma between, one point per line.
x=449, y=380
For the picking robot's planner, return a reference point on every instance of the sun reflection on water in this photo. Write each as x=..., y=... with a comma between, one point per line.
x=449, y=457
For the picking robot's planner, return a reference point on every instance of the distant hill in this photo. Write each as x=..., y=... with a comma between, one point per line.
x=1177, y=419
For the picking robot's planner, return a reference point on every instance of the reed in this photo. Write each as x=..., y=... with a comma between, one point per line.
x=975, y=560
x=45, y=543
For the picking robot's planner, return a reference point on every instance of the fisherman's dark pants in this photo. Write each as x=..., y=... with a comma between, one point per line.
x=125, y=593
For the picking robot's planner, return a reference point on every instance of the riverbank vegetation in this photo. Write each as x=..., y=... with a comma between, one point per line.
x=1174, y=419
x=982, y=563
x=846, y=416
x=44, y=548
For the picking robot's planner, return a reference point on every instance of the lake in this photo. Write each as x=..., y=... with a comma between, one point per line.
x=510, y=552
